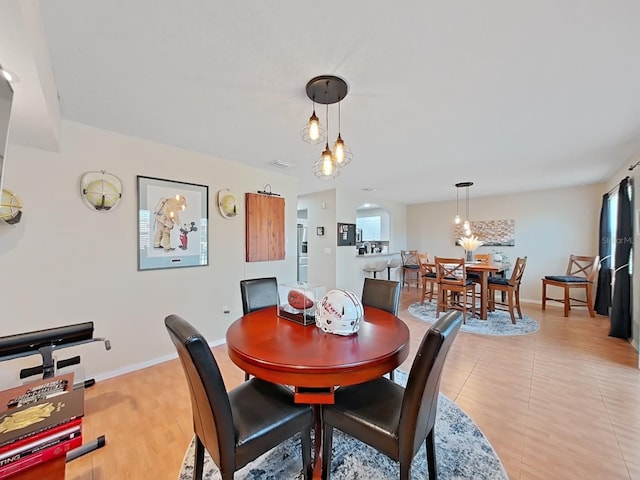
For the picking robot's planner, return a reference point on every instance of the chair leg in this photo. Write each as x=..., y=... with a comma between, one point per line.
x=198, y=465
x=517, y=294
x=511, y=306
x=307, y=466
x=590, y=301
x=327, y=446
x=567, y=300
x=246, y=376
x=544, y=295
x=430, y=445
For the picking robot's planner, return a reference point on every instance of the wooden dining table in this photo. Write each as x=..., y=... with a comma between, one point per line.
x=484, y=270
x=313, y=362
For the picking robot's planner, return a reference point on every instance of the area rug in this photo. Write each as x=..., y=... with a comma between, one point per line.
x=497, y=322
x=462, y=452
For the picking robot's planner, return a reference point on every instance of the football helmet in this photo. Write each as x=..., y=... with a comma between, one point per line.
x=339, y=312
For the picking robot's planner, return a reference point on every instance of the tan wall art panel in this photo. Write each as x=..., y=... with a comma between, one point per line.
x=491, y=232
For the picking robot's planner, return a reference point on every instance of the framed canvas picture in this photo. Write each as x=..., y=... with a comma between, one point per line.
x=172, y=224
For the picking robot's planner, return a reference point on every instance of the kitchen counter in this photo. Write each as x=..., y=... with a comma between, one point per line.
x=374, y=255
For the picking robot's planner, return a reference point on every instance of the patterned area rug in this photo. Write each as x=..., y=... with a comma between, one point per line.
x=497, y=323
x=462, y=452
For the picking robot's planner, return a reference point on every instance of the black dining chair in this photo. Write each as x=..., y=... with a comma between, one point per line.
x=382, y=294
x=239, y=426
x=392, y=419
x=258, y=293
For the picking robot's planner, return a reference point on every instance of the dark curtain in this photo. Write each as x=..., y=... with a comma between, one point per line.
x=603, y=293
x=621, y=302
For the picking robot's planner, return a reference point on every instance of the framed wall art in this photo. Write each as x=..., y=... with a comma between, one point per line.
x=491, y=232
x=172, y=224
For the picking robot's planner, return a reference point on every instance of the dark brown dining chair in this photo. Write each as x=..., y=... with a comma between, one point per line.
x=455, y=290
x=239, y=426
x=581, y=273
x=258, y=293
x=392, y=419
x=410, y=266
x=382, y=294
x=511, y=287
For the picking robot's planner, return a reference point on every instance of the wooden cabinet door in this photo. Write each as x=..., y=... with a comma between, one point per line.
x=265, y=237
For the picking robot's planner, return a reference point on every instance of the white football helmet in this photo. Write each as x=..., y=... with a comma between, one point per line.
x=339, y=312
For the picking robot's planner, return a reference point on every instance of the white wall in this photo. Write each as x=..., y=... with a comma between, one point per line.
x=66, y=264
x=550, y=225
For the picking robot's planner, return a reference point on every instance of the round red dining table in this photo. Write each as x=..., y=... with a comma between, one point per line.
x=282, y=351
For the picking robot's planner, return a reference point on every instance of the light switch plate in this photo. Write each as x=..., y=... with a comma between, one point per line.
x=327, y=251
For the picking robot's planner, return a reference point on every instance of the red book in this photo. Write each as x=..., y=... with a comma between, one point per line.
x=40, y=457
x=30, y=443
x=32, y=419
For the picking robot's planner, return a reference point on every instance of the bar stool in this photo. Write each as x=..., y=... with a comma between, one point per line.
x=393, y=263
x=375, y=267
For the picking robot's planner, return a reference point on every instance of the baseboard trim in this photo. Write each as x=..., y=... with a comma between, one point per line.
x=149, y=363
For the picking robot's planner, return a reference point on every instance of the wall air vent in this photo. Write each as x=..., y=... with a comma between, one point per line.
x=281, y=164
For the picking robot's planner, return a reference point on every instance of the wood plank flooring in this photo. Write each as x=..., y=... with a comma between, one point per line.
x=562, y=403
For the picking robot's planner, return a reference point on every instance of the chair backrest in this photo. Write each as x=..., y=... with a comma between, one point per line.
x=212, y=418
x=420, y=400
x=482, y=257
x=451, y=271
x=425, y=264
x=382, y=294
x=409, y=257
x=518, y=271
x=583, y=266
x=258, y=293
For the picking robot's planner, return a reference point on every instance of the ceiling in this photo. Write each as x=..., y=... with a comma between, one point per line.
x=513, y=96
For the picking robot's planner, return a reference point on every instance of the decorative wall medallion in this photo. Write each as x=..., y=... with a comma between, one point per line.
x=100, y=191
x=228, y=203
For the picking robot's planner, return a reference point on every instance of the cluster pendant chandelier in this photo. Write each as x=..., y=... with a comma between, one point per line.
x=326, y=90
x=466, y=226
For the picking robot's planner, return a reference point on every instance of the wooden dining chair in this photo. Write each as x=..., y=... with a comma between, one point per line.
x=428, y=276
x=581, y=273
x=382, y=294
x=258, y=293
x=239, y=426
x=392, y=419
x=510, y=287
x=455, y=290
x=410, y=266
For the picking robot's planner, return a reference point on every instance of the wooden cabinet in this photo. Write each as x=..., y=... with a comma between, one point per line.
x=265, y=237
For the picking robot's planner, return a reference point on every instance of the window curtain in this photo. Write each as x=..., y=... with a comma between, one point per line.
x=621, y=302
x=603, y=293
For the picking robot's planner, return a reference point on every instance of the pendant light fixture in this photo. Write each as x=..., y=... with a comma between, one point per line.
x=327, y=90
x=313, y=132
x=466, y=226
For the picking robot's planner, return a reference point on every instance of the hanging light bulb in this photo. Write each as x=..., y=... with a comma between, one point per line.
x=457, y=218
x=326, y=167
x=341, y=152
x=314, y=127
x=313, y=133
